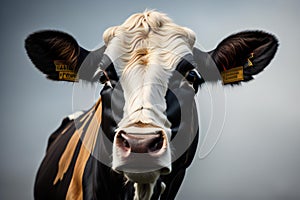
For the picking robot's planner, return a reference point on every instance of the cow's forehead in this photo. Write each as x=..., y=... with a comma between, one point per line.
x=145, y=51
x=147, y=39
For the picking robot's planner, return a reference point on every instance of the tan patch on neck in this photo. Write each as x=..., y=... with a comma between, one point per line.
x=67, y=156
x=88, y=144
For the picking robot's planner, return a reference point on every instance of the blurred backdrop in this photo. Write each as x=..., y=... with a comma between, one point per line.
x=257, y=156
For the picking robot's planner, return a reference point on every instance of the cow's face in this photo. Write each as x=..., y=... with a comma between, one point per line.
x=148, y=55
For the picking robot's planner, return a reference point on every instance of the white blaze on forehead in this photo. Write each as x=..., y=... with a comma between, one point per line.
x=145, y=50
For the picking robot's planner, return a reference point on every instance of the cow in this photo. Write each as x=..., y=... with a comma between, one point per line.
x=138, y=139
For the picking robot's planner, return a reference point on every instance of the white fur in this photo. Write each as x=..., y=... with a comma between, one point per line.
x=75, y=115
x=145, y=50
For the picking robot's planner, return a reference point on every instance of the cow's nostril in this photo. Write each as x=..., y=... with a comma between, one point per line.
x=157, y=143
x=122, y=141
x=125, y=142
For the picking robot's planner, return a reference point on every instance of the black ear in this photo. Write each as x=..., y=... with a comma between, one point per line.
x=242, y=55
x=56, y=54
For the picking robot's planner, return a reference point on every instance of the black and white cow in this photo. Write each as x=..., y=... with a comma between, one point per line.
x=139, y=138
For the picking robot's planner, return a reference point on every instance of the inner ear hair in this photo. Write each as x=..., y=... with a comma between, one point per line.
x=65, y=50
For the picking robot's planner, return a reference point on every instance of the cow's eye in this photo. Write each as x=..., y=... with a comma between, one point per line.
x=102, y=77
x=192, y=76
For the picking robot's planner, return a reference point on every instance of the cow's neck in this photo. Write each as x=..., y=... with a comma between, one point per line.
x=143, y=191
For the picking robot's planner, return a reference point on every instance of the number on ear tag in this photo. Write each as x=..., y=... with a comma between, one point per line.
x=65, y=71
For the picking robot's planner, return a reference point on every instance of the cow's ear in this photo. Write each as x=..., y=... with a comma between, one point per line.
x=56, y=54
x=242, y=55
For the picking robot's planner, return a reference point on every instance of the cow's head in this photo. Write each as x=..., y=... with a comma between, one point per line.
x=151, y=73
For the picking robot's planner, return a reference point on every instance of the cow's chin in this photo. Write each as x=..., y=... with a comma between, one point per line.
x=142, y=178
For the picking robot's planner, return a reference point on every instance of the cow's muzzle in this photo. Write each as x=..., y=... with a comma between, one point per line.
x=151, y=143
x=141, y=150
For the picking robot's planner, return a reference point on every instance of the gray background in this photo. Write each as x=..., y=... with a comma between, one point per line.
x=257, y=156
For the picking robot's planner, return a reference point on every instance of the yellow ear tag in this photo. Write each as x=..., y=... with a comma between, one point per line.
x=65, y=72
x=233, y=75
